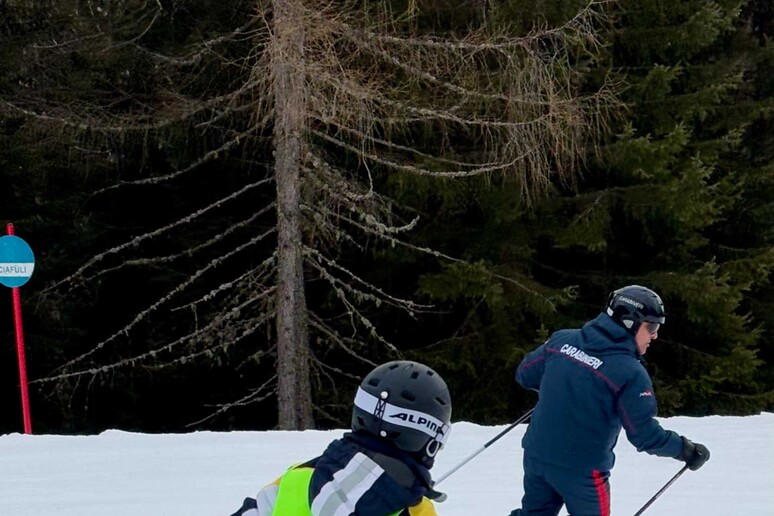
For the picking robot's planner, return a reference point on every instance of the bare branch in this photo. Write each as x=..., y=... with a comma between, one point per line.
x=146, y=236
x=261, y=393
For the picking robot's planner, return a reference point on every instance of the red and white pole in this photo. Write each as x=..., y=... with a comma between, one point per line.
x=17, y=319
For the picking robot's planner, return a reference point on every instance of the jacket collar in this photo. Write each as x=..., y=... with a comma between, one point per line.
x=373, y=444
x=604, y=334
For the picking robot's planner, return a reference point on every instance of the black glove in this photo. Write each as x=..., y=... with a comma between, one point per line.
x=694, y=455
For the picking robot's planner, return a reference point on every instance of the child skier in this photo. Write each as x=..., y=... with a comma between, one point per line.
x=400, y=420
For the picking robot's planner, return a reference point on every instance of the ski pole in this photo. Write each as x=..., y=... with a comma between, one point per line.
x=661, y=491
x=489, y=443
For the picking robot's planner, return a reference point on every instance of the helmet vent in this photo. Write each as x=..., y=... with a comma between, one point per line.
x=441, y=401
x=408, y=395
x=414, y=375
x=374, y=382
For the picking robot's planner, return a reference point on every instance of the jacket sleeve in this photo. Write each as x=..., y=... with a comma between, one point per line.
x=638, y=409
x=530, y=371
x=261, y=505
x=248, y=508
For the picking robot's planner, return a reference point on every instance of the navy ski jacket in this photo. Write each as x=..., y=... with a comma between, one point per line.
x=591, y=383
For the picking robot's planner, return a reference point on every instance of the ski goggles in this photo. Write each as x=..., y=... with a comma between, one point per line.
x=652, y=327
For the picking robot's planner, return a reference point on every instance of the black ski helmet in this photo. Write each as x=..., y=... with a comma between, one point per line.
x=406, y=403
x=633, y=305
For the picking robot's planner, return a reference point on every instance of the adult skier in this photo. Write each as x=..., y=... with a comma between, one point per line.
x=400, y=421
x=591, y=382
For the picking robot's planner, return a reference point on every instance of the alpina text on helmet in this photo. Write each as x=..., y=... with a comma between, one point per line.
x=418, y=420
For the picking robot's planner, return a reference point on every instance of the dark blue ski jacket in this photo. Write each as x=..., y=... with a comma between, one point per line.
x=591, y=383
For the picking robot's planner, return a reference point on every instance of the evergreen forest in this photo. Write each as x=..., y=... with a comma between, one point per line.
x=239, y=208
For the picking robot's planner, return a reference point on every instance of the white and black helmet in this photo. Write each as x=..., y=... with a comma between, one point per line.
x=406, y=403
x=633, y=305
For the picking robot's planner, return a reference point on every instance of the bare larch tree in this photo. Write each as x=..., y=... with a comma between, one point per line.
x=350, y=92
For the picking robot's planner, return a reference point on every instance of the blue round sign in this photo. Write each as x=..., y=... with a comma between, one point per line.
x=16, y=261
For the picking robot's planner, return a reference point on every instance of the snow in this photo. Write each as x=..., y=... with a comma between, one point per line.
x=209, y=473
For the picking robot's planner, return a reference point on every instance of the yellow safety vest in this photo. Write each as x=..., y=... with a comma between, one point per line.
x=293, y=495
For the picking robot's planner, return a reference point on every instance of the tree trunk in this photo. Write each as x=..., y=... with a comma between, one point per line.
x=294, y=388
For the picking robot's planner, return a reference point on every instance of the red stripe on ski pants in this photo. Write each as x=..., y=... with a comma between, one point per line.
x=603, y=491
x=548, y=487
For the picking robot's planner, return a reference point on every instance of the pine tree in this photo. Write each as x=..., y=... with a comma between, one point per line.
x=492, y=308
x=663, y=203
x=678, y=199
